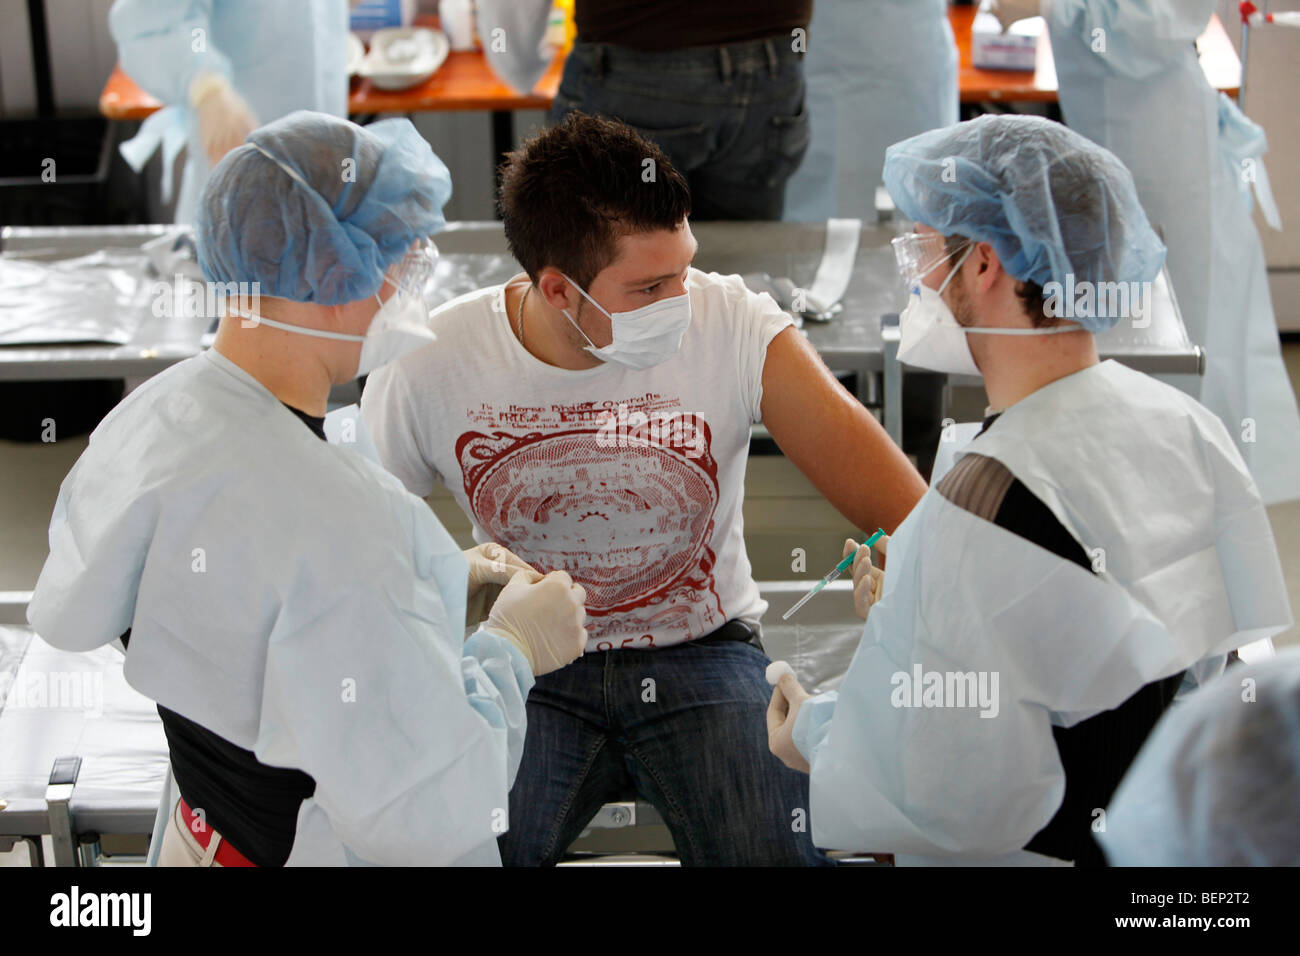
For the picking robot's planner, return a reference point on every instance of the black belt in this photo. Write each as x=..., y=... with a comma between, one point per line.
x=734, y=630
x=727, y=58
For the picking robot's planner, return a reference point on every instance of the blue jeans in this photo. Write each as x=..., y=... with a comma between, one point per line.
x=684, y=728
x=731, y=119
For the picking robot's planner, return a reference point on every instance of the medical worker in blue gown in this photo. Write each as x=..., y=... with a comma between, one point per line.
x=1131, y=81
x=877, y=71
x=1099, y=543
x=223, y=67
x=299, y=616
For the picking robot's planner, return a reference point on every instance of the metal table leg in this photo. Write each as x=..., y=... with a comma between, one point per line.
x=58, y=798
x=503, y=141
x=35, y=850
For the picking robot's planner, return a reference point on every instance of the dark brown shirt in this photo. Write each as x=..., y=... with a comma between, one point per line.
x=672, y=24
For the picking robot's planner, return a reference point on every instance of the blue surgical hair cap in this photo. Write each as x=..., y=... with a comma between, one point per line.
x=315, y=208
x=1052, y=203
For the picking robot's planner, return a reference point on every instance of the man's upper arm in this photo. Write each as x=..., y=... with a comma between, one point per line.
x=399, y=429
x=833, y=439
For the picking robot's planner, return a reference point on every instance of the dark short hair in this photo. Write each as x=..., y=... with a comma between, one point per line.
x=569, y=193
x=1030, y=294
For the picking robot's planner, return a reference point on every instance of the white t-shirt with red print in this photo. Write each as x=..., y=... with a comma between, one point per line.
x=630, y=480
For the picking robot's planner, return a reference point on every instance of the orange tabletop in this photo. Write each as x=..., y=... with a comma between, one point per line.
x=123, y=100
x=1218, y=60
x=463, y=82
x=466, y=82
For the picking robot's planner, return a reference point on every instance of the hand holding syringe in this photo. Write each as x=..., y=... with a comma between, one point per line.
x=832, y=574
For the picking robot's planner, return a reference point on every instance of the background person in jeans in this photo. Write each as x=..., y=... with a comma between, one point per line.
x=718, y=86
x=626, y=468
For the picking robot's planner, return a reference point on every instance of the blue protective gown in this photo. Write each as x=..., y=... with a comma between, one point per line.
x=292, y=597
x=1185, y=569
x=279, y=57
x=1130, y=81
x=877, y=71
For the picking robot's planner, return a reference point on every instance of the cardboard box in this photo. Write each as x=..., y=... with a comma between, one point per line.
x=1017, y=49
x=371, y=15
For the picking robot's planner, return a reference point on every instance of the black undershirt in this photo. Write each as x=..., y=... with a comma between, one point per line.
x=1096, y=752
x=253, y=806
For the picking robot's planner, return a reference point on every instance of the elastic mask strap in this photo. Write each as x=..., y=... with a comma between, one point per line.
x=956, y=268
x=302, y=329
x=593, y=302
x=1055, y=330
x=579, y=328
x=583, y=293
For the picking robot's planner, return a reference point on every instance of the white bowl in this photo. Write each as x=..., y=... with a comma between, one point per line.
x=403, y=57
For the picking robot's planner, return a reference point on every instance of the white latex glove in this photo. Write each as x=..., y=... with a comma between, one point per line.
x=224, y=118
x=867, y=578
x=782, y=712
x=492, y=564
x=1009, y=11
x=543, y=617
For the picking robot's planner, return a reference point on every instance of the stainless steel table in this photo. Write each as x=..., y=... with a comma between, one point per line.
x=850, y=343
x=73, y=714
x=474, y=254
x=157, y=342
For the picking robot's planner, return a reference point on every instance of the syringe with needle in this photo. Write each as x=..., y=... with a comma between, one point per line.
x=832, y=574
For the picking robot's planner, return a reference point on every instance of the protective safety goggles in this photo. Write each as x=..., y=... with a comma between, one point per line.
x=413, y=273
x=920, y=254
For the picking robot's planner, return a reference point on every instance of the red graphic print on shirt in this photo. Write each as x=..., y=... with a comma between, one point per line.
x=624, y=502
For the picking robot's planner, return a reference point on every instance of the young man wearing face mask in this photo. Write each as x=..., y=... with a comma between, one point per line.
x=297, y=615
x=1100, y=540
x=594, y=415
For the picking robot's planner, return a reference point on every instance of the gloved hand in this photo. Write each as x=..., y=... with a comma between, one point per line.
x=224, y=117
x=490, y=567
x=543, y=617
x=1009, y=11
x=492, y=564
x=782, y=712
x=868, y=579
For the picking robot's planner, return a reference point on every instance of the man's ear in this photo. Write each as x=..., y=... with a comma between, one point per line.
x=556, y=290
x=988, y=267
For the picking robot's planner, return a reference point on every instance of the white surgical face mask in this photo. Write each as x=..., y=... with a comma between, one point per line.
x=643, y=337
x=930, y=337
x=400, y=326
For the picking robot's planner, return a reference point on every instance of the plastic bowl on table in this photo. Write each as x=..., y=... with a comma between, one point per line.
x=403, y=57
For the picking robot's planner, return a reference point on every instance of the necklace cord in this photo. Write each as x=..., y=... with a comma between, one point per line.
x=519, y=313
